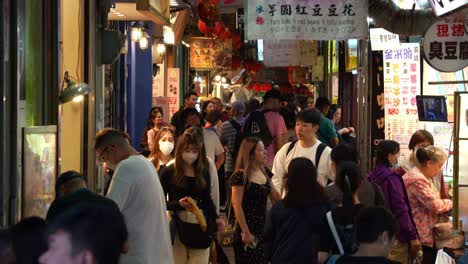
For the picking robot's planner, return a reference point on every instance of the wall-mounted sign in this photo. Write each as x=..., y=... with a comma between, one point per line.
x=402, y=82
x=446, y=45
x=207, y=53
x=441, y=7
x=173, y=89
x=283, y=53
x=311, y=20
x=382, y=39
x=156, y=11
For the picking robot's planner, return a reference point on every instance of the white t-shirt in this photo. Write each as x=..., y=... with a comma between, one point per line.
x=214, y=182
x=281, y=163
x=136, y=189
x=213, y=146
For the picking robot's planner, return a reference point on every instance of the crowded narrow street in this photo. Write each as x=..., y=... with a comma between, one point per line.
x=234, y=131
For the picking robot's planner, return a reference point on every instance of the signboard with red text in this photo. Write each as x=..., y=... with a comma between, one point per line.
x=446, y=45
x=402, y=82
x=173, y=89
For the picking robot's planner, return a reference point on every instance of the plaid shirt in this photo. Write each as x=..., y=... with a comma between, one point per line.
x=228, y=139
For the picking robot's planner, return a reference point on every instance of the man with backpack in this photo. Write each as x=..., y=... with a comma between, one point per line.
x=308, y=146
x=231, y=138
x=268, y=125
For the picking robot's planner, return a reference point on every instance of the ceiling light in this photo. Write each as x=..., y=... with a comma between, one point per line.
x=137, y=33
x=120, y=15
x=144, y=43
x=217, y=78
x=161, y=48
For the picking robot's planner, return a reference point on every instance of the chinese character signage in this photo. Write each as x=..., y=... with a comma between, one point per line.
x=401, y=85
x=446, y=45
x=311, y=20
x=441, y=7
x=382, y=39
x=378, y=107
x=173, y=89
x=207, y=53
x=282, y=53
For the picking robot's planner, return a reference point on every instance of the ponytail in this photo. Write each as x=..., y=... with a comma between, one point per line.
x=348, y=179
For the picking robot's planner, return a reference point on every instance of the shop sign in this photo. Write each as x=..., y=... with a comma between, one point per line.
x=283, y=53
x=173, y=89
x=441, y=7
x=378, y=106
x=402, y=83
x=382, y=39
x=312, y=20
x=446, y=45
x=207, y=53
x=158, y=82
x=163, y=102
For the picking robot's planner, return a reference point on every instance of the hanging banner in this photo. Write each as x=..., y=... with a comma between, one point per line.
x=442, y=7
x=283, y=53
x=402, y=83
x=207, y=53
x=172, y=89
x=313, y=20
x=446, y=45
x=158, y=81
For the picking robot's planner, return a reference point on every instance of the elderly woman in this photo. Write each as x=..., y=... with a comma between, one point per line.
x=424, y=199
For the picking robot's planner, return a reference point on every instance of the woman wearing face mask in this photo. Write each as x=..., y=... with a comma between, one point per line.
x=162, y=152
x=425, y=202
x=251, y=187
x=190, y=176
x=158, y=122
x=393, y=188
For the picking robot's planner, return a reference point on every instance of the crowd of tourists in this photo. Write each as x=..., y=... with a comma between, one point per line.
x=279, y=182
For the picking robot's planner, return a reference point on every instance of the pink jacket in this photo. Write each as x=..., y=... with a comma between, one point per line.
x=425, y=204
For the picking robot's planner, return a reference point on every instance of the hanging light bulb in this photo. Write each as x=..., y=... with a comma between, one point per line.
x=217, y=78
x=137, y=34
x=143, y=43
x=78, y=99
x=161, y=49
x=223, y=79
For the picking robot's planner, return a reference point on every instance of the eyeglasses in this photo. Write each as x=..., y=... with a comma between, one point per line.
x=99, y=154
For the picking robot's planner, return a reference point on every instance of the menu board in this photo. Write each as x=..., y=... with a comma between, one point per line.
x=172, y=89
x=402, y=83
x=208, y=53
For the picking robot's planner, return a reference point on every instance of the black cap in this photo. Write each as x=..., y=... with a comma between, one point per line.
x=309, y=116
x=66, y=177
x=273, y=93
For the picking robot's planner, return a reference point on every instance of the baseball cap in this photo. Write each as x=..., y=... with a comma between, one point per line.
x=66, y=177
x=238, y=107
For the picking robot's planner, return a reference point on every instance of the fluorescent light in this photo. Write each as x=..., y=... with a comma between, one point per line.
x=370, y=20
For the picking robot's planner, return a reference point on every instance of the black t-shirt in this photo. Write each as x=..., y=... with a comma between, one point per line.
x=340, y=217
x=363, y=260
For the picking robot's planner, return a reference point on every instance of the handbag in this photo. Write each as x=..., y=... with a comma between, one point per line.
x=227, y=237
x=192, y=236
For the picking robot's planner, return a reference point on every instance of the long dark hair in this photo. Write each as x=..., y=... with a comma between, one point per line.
x=348, y=179
x=152, y=115
x=302, y=189
x=191, y=136
x=385, y=148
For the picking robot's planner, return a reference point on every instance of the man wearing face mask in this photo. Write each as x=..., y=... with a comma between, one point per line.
x=136, y=189
x=393, y=188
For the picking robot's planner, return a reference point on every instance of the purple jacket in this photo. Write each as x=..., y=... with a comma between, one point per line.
x=394, y=191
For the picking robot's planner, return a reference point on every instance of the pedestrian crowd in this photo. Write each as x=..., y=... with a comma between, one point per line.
x=278, y=182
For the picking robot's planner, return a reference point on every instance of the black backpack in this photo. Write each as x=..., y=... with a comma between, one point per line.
x=237, y=141
x=256, y=126
x=318, y=153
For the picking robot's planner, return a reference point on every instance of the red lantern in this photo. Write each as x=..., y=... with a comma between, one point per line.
x=257, y=87
x=203, y=27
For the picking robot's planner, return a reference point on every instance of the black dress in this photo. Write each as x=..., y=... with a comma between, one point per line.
x=254, y=204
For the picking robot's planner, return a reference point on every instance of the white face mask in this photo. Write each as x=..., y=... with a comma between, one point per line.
x=189, y=157
x=166, y=147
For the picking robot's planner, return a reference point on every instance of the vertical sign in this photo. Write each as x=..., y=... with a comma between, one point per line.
x=378, y=106
x=173, y=89
x=401, y=85
x=158, y=81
